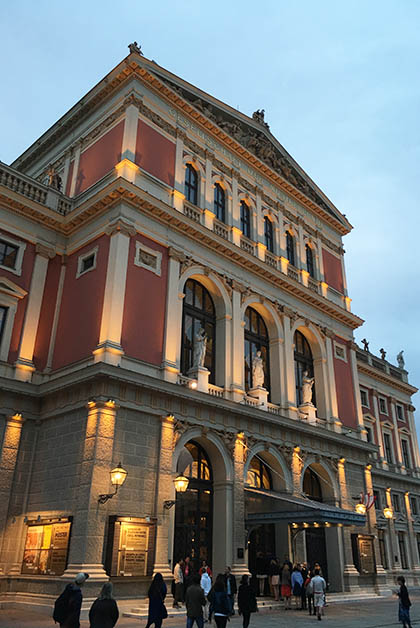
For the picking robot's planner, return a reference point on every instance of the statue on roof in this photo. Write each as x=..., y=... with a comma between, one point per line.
x=258, y=116
x=400, y=360
x=365, y=344
x=54, y=179
x=383, y=353
x=134, y=47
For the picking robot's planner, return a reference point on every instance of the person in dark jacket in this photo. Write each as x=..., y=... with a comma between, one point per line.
x=74, y=601
x=231, y=589
x=404, y=605
x=104, y=611
x=247, y=602
x=194, y=602
x=219, y=603
x=156, y=594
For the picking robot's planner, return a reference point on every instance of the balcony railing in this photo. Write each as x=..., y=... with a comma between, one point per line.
x=293, y=272
x=247, y=245
x=216, y=391
x=313, y=284
x=192, y=211
x=220, y=229
x=270, y=259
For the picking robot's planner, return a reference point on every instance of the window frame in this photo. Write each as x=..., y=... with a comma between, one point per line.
x=189, y=187
x=84, y=256
x=245, y=219
x=405, y=451
x=310, y=262
x=386, y=436
x=258, y=340
x=268, y=234
x=396, y=502
x=21, y=247
x=291, y=248
x=363, y=391
x=399, y=406
x=219, y=206
x=157, y=270
x=10, y=294
x=340, y=347
x=384, y=412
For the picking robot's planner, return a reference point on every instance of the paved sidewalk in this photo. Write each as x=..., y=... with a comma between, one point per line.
x=381, y=613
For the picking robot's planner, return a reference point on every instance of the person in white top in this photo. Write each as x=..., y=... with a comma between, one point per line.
x=179, y=584
x=318, y=589
x=205, y=584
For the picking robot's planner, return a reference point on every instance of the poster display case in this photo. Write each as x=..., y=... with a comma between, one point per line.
x=46, y=547
x=131, y=542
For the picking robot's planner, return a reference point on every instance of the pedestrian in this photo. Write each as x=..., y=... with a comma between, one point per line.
x=309, y=593
x=405, y=603
x=219, y=603
x=67, y=606
x=286, y=589
x=205, y=567
x=274, y=573
x=187, y=571
x=261, y=572
x=304, y=572
x=179, y=584
x=297, y=586
x=247, y=602
x=104, y=611
x=194, y=602
x=230, y=584
x=318, y=588
x=205, y=583
x=157, y=609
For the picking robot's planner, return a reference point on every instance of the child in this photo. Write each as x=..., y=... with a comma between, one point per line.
x=404, y=606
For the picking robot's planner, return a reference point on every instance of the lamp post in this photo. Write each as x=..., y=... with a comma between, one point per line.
x=361, y=509
x=118, y=476
x=388, y=513
x=181, y=485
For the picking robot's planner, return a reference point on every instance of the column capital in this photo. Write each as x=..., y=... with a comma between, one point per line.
x=44, y=251
x=120, y=226
x=102, y=404
x=133, y=98
x=15, y=420
x=176, y=254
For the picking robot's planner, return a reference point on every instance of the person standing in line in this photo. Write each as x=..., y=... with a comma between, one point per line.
x=205, y=567
x=261, y=572
x=286, y=589
x=219, y=603
x=194, y=602
x=205, y=583
x=104, y=611
x=309, y=593
x=230, y=584
x=274, y=573
x=179, y=584
x=318, y=588
x=405, y=603
x=188, y=572
x=156, y=594
x=68, y=604
x=297, y=586
x=247, y=602
x=304, y=572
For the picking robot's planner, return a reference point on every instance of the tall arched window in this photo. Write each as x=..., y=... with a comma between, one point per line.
x=259, y=475
x=219, y=202
x=256, y=339
x=198, y=313
x=290, y=248
x=268, y=234
x=312, y=485
x=310, y=261
x=245, y=219
x=191, y=184
x=303, y=362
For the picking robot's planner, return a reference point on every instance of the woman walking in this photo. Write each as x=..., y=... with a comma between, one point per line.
x=104, y=611
x=219, y=603
x=157, y=609
x=404, y=605
x=274, y=572
x=286, y=589
x=247, y=602
x=297, y=584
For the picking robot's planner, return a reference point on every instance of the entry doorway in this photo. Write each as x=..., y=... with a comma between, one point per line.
x=316, y=549
x=261, y=549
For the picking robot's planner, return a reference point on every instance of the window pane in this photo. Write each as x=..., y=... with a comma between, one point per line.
x=189, y=287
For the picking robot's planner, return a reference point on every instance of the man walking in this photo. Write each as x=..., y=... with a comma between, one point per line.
x=194, y=602
x=230, y=584
x=318, y=589
x=68, y=604
x=179, y=584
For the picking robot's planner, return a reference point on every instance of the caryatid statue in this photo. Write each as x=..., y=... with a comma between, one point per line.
x=258, y=371
x=307, y=383
x=400, y=359
x=200, y=346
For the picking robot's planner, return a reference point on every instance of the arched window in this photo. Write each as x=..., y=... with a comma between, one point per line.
x=198, y=313
x=268, y=234
x=245, y=219
x=219, y=202
x=256, y=339
x=312, y=485
x=290, y=248
x=191, y=184
x=193, y=463
x=259, y=475
x=303, y=362
x=310, y=261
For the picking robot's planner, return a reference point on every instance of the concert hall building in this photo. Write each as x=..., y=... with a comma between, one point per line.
x=149, y=219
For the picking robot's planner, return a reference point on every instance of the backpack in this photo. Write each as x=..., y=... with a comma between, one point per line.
x=61, y=606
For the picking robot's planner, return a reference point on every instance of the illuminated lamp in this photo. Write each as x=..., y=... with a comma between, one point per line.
x=388, y=513
x=118, y=476
x=361, y=509
x=181, y=485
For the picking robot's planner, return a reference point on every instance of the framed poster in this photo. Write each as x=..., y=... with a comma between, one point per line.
x=46, y=547
x=130, y=546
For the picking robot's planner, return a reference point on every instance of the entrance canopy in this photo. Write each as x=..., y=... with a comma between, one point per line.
x=270, y=507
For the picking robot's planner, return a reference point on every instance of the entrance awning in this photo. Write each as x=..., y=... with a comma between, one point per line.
x=271, y=507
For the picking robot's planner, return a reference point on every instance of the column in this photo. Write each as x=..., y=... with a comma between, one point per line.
x=87, y=540
x=414, y=558
x=343, y=271
x=77, y=151
x=239, y=566
x=334, y=417
x=237, y=387
x=24, y=364
x=259, y=231
x=173, y=318
x=65, y=172
x=8, y=457
x=414, y=439
x=109, y=348
x=179, y=196
x=289, y=385
x=128, y=149
x=236, y=216
x=378, y=427
x=372, y=527
x=301, y=252
x=56, y=313
x=396, y=434
x=296, y=467
x=351, y=575
x=356, y=389
x=321, y=275
x=392, y=535
x=165, y=492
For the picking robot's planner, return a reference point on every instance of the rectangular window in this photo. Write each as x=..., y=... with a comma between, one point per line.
x=382, y=548
x=86, y=262
x=364, y=398
x=377, y=496
x=245, y=220
x=3, y=316
x=400, y=413
x=403, y=552
x=8, y=254
x=405, y=453
x=382, y=406
x=388, y=448
x=369, y=434
x=413, y=504
x=148, y=258
x=46, y=548
x=396, y=502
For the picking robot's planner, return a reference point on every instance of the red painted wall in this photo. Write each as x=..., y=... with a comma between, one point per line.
x=332, y=271
x=345, y=393
x=81, y=307
x=144, y=311
x=155, y=153
x=69, y=178
x=100, y=158
x=46, y=317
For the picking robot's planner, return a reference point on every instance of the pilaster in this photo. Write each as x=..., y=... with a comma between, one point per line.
x=237, y=378
x=378, y=426
x=77, y=152
x=414, y=438
x=173, y=318
x=239, y=533
x=356, y=390
x=289, y=367
x=179, y=196
x=396, y=433
x=332, y=391
x=128, y=148
x=414, y=557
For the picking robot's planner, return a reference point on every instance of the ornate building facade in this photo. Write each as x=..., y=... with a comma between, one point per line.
x=173, y=298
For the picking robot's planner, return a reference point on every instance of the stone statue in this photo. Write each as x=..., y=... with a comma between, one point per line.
x=134, y=47
x=200, y=346
x=383, y=353
x=400, y=360
x=258, y=116
x=307, y=383
x=365, y=344
x=257, y=371
x=54, y=179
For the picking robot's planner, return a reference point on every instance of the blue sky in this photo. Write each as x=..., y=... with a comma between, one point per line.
x=339, y=82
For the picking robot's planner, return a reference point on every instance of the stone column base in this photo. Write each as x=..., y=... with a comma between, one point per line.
x=164, y=569
x=351, y=578
x=261, y=394
x=96, y=571
x=109, y=352
x=240, y=569
x=201, y=374
x=309, y=410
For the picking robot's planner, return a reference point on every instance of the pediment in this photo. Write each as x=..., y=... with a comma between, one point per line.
x=11, y=289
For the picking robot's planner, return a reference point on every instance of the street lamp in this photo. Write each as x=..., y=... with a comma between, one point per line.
x=118, y=476
x=181, y=485
x=361, y=509
x=388, y=513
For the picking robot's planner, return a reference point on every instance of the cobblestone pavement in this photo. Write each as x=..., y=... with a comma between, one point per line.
x=381, y=613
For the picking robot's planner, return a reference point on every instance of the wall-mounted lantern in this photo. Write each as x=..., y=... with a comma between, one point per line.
x=118, y=476
x=361, y=509
x=181, y=485
x=388, y=513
